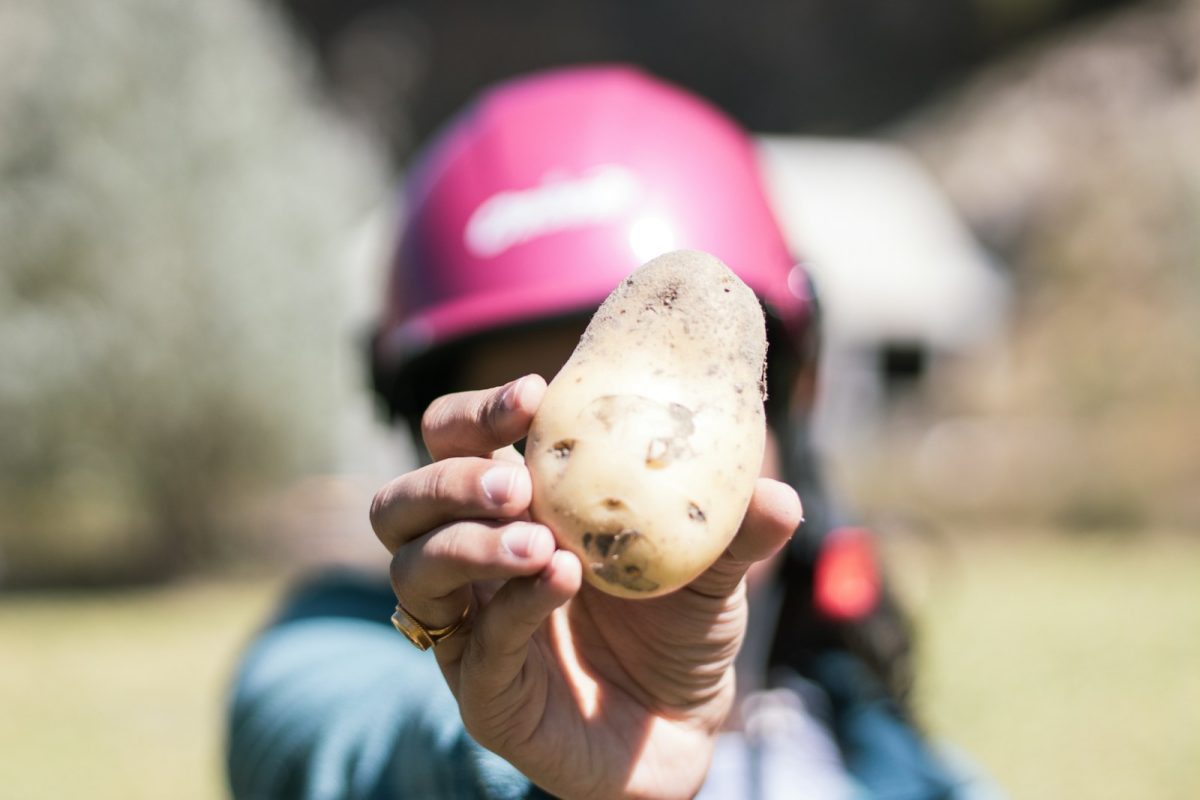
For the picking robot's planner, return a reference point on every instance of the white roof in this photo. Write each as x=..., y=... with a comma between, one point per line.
x=890, y=257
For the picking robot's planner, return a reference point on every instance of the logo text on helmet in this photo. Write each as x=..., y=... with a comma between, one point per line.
x=558, y=203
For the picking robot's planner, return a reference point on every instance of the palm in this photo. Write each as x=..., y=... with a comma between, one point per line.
x=672, y=652
x=629, y=691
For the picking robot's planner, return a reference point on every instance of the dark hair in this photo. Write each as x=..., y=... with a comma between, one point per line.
x=882, y=639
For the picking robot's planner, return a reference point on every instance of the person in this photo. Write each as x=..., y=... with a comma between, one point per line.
x=782, y=671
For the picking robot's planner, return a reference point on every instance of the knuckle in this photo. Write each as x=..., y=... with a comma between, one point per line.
x=442, y=557
x=399, y=570
x=436, y=415
x=429, y=419
x=439, y=480
x=379, y=505
x=493, y=416
x=451, y=548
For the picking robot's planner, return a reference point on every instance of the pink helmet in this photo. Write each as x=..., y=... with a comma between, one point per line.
x=540, y=197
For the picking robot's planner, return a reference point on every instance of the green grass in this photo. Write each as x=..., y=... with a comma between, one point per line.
x=1068, y=668
x=118, y=695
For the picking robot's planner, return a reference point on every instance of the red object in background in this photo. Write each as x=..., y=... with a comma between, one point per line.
x=847, y=581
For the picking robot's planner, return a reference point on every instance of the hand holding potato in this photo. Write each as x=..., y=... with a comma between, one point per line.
x=588, y=694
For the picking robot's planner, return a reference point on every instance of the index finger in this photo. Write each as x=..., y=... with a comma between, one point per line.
x=476, y=423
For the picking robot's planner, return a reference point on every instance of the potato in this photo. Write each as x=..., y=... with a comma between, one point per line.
x=647, y=445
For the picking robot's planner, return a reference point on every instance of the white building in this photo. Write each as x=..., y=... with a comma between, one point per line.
x=902, y=283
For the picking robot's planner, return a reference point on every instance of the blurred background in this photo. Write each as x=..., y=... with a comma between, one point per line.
x=1000, y=204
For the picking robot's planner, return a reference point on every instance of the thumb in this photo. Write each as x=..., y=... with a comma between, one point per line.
x=774, y=514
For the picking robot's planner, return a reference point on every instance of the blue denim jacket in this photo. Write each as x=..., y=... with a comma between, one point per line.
x=329, y=702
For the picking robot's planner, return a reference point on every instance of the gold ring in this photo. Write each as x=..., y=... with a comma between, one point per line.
x=422, y=636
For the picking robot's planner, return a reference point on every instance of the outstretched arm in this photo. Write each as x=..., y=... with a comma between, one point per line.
x=587, y=694
x=330, y=702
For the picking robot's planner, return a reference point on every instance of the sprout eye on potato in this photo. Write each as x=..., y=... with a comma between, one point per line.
x=647, y=445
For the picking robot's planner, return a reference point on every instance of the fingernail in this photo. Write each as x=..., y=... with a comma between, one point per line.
x=524, y=541
x=498, y=483
x=512, y=393
x=556, y=561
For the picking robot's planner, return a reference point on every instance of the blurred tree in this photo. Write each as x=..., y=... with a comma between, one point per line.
x=1077, y=162
x=172, y=207
x=829, y=66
